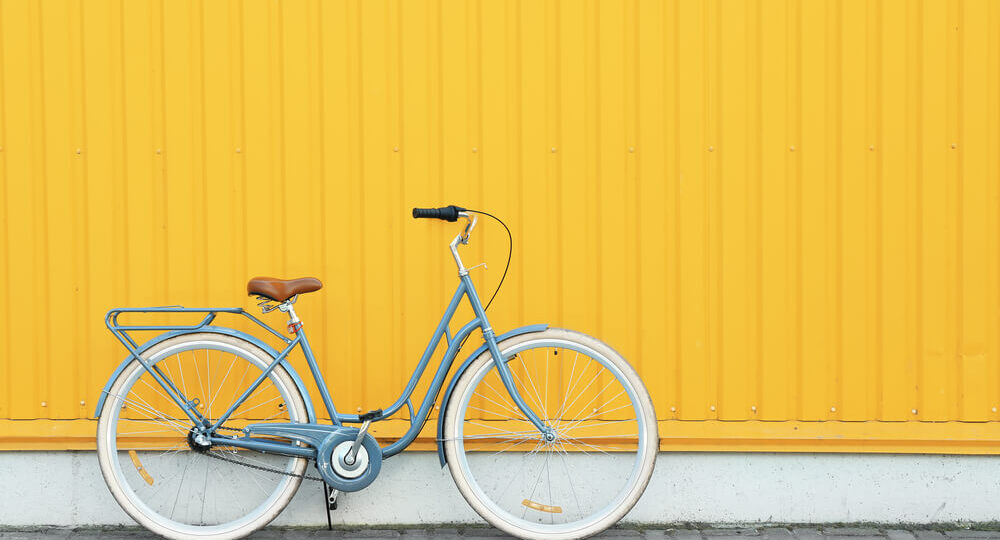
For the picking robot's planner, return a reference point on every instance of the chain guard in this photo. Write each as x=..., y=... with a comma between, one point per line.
x=324, y=460
x=325, y=439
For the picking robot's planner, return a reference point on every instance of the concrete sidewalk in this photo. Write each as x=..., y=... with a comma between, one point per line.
x=773, y=533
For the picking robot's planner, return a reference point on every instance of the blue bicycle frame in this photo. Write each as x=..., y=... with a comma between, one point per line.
x=190, y=407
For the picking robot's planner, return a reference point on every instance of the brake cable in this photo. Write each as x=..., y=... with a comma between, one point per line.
x=510, y=252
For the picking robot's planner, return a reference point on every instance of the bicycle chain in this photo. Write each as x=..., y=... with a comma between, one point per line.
x=304, y=476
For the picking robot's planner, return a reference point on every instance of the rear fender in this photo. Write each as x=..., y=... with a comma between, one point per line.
x=310, y=412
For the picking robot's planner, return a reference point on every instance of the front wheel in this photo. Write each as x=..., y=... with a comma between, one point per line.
x=584, y=480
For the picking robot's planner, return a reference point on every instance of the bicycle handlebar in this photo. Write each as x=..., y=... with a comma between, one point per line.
x=446, y=213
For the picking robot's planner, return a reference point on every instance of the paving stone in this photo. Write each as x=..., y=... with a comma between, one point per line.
x=806, y=533
x=323, y=532
x=620, y=533
x=268, y=534
x=897, y=534
x=38, y=534
x=483, y=532
x=685, y=534
x=373, y=533
x=415, y=534
x=776, y=533
x=123, y=534
x=850, y=531
x=962, y=533
x=927, y=535
x=655, y=534
x=730, y=532
x=448, y=532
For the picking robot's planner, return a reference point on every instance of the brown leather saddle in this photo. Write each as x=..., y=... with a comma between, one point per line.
x=280, y=290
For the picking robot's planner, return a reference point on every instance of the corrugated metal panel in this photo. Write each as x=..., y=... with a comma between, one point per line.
x=779, y=211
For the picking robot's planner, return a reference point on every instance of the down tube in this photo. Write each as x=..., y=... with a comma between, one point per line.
x=417, y=423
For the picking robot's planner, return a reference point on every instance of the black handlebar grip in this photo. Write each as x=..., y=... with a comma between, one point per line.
x=447, y=213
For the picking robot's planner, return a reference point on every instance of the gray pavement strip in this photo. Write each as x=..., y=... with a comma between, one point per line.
x=765, y=533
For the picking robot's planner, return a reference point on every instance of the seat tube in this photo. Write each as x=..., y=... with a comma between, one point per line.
x=504, y=371
x=318, y=377
x=296, y=325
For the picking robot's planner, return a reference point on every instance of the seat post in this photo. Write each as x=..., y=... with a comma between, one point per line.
x=294, y=323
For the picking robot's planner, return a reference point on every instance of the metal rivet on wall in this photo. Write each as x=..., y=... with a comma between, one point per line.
x=44, y=404
x=359, y=409
x=82, y=403
x=872, y=148
x=753, y=408
x=158, y=151
x=78, y=151
x=631, y=149
x=238, y=149
x=791, y=148
x=474, y=149
x=833, y=409
x=673, y=409
x=553, y=149
x=914, y=411
x=711, y=149
x=395, y=148
x=954, y=146
x=994, y=409
x=711, y=407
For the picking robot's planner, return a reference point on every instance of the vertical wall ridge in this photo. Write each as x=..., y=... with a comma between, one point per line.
x=778, y=211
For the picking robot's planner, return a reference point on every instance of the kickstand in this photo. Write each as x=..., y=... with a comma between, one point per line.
x=330, y=496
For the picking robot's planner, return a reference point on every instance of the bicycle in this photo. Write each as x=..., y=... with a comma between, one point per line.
x=206, y=432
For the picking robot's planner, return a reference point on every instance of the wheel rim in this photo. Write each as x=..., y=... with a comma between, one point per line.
x=553, y=488
x=192, y=493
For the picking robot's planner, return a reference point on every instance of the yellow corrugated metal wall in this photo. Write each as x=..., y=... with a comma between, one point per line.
x=785, y=213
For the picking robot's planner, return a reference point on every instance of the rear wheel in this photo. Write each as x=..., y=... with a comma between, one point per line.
x=158, y=472
x=583, y=480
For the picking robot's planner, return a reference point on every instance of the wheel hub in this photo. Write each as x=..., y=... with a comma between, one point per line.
x=197, y=440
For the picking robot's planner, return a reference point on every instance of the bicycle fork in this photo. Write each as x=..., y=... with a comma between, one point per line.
x=503, y=369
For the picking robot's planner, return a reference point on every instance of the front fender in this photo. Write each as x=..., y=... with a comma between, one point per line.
x=461, y=369
x=310, y=412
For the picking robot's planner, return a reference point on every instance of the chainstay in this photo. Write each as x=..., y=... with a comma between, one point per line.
x=259, y=467
x=262, y=468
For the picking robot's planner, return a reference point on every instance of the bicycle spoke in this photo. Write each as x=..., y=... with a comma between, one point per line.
x=510, y=407
x=201, y=488
x=532, y=382
x=537, y=483
x=514, y=412
x=596, y=411
x=224, y=379
x=571, y=386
